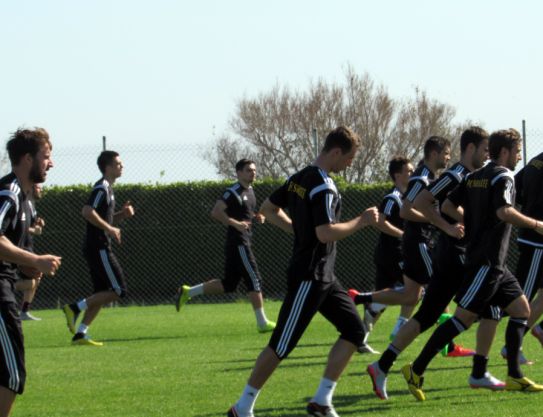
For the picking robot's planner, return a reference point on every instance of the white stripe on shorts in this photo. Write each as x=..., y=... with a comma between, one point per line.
x=474, y=287
x=249, y=268
x=532, y=273
x=9, y=357
x=110, y=273
x=293, y=317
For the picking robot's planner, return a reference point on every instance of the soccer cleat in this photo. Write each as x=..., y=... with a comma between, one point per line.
x=232, y=412
x=266, y=328
x=85, y=340
x=459, y=352
x=71, y=317
x=414, y=382
x=317, y=410
x=487, y=381
x=378, y=379
x=522, y=384
x=25, y=315
x=522, y=359
x=365, y=348
x=181, y=296
x=537, y=332
x=353, y=293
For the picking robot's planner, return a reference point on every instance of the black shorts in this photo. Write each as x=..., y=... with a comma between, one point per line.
x=12, y=362
x=417, y=262
x=486, y=288
x=303, y=300
x=388, y=275
x=530, y=269
x=240, y=263
x=445, y=282
x=105, y=271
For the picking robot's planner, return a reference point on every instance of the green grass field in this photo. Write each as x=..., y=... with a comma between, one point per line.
x=159, y=363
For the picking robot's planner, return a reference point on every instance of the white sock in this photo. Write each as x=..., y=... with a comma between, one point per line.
x=399, y=323
x=82, y=305
x=261, y=318
x=247, y=400
x=82, y=328
x=196, y=290
x=325, y=392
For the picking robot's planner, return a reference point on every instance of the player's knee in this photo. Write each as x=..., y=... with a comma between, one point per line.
x=411, y=298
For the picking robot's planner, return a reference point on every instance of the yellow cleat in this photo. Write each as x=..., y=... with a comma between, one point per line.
x=86, y=341
x=414, y=382
x=268, y=327
x=181, y=297
x=71, y=317
x=522, y=384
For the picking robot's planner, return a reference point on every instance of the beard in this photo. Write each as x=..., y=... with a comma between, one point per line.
x=36, y=175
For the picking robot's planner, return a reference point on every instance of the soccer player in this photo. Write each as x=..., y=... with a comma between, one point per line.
x=105, y=270
x=313, y=203
x=29, y=152
x=418, y=234
x=529, y=184
x=448, y=264
x=388, y=252
x=236, y=210
x=486, y=198
x=30, y=278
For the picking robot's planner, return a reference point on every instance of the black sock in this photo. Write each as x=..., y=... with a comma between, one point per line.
x=75, y=308
x=516, y=327
x=25, y=307
x=441, y=336
x=78, y=336
x=479, y=366
x=363, y=298
x=388, y=357
x=451, y=346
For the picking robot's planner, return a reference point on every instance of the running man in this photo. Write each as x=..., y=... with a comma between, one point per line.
x=448, y=265
x=486, y=199
x=314, y=204
x=29, y=152
x=30, y=278
x=418, y=235
x=236, y=210
x=388, y=252
x=105, y=270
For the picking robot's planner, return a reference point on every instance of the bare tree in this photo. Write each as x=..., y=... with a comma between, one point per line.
x=274, y=129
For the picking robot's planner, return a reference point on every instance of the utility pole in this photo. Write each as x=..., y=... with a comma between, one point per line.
x=103, y=143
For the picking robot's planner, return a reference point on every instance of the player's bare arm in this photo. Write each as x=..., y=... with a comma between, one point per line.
x=276, y=216
x=47, y=264
x=327, y=233
x=94, y=218
x=219, y=213
x=424, y=203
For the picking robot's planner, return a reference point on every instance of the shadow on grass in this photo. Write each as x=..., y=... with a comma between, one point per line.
x=141, y=338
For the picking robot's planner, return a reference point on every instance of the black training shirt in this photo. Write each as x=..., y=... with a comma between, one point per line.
x=312, y=200
x=418, y=232
x=481, y=194
x=102, y=200
x=241, y=206
x=529, y=183
x=389, y=248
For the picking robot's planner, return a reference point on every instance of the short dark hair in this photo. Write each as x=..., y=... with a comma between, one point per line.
x=105, y=159
x=502, y=139
x=435, y=143
x=395, y=166
x=240, y=165
x=473, y=134
x=343, y=138
x=25, y=141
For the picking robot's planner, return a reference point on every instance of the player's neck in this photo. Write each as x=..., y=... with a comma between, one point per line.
x=110, y=179
x=431, y=165
x=464, y=160
x=322, y=163
x=244, y=184
x=400, y=187
x=24, y=182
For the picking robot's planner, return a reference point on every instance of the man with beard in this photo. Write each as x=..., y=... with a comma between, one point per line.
x=106, y=273
x=487, y=199
x=30, y=156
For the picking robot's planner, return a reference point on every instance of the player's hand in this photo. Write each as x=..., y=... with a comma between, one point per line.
x=242, y=226
x=370, y=216
x=455, y=230
x=260, y=218
x=115, y=233
x=48, y=264
x=128, y=210
x=37, y=230
x=39, y=222
x=30, y=272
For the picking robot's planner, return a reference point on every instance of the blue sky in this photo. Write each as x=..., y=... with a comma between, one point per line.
x=165, y=72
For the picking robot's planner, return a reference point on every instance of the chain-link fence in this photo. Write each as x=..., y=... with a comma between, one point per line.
x=172, y=238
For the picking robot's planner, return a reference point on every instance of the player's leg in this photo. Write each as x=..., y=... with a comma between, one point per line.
x=300, y=305
x=7, y=398
x=339, y=309
x=28, y=296
x=253, y=282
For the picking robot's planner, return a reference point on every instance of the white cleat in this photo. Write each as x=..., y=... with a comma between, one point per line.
x=378, y=379
x=487, y=381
